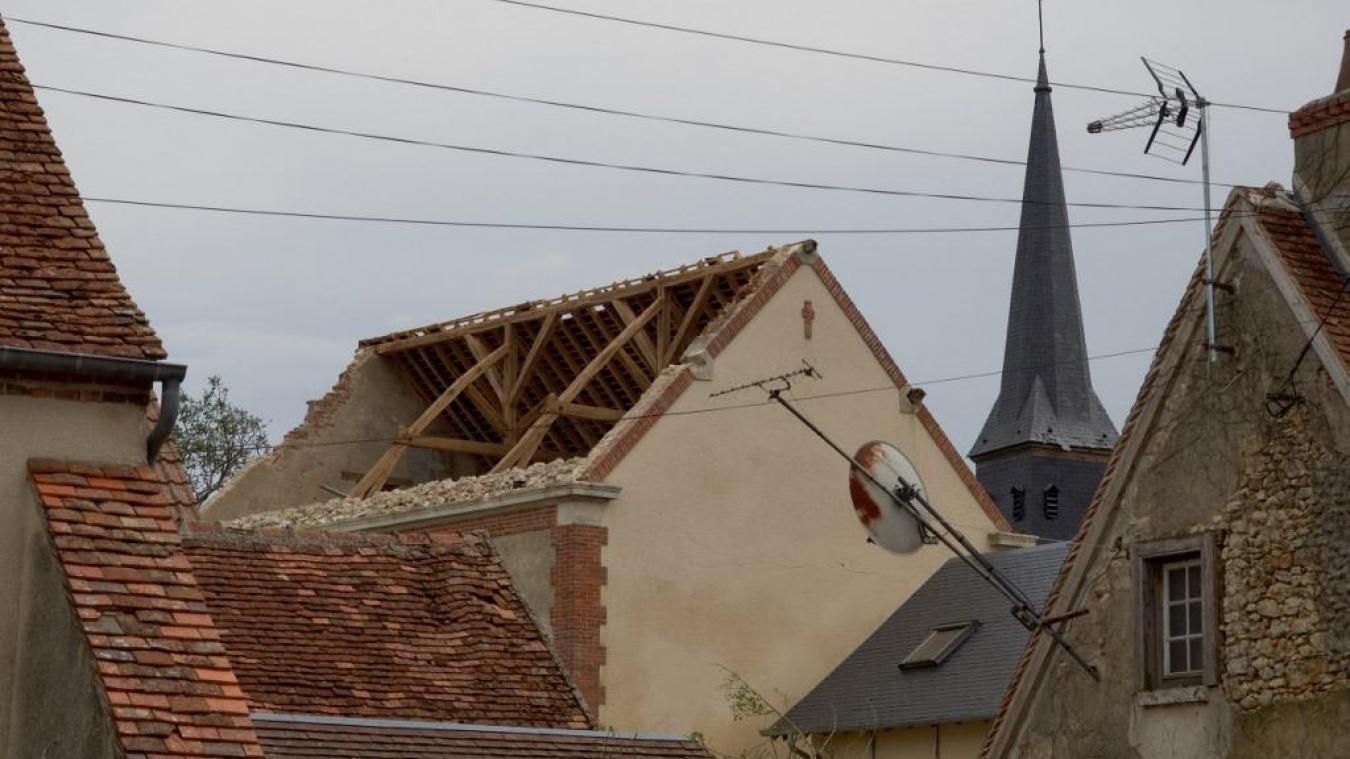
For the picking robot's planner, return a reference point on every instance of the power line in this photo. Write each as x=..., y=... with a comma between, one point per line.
x=595, y=109
x=846, y=54
x=611, y=228
x=502, y=153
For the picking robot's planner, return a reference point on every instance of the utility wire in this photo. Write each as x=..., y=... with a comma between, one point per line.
x=609, y=228
x=846, y=54
x=593, y=163
x=595, y=108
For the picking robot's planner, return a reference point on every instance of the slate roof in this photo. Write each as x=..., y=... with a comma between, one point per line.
x=869, y=691
x=1046, y=394
x=58, y=289
x=166, y=673
x=292, y=737
x=410, y=626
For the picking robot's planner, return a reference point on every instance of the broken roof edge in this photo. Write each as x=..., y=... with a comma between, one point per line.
x=470, y=323
x=1033, y=665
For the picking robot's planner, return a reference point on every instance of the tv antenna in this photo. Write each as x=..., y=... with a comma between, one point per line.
x=1179, y=117
x=911, y=518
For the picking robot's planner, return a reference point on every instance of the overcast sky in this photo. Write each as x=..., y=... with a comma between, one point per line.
x=276, y=305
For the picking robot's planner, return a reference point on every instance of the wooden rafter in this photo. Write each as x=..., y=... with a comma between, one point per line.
x=529, y=442
x=690, y=319
x=536, y=348
x=644, y=343
x=455, y=445
x=378, y=474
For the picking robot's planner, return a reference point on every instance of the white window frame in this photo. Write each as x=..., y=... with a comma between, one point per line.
x=1167, y=602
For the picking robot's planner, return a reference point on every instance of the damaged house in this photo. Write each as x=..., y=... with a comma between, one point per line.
x=664, y=536
x=124, y=635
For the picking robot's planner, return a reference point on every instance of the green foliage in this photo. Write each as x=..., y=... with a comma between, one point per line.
x=216, y=438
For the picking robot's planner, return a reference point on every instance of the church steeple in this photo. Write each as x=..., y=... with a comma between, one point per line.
x=1045, y=443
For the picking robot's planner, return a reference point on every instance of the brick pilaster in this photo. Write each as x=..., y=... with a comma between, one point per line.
x=578, y=611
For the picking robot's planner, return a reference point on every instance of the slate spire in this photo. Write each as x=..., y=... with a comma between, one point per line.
x=1046, y=399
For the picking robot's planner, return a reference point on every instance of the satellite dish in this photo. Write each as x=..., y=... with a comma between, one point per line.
x=889, y=525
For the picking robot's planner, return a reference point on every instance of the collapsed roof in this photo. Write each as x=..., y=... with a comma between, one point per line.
x=547, y=379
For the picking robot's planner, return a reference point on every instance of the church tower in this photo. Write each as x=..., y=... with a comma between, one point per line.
x=1046, y=442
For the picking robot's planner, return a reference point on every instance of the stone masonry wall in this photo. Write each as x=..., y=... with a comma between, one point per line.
x=1286, y=598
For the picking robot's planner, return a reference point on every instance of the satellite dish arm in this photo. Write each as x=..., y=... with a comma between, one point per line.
x=1023, y=609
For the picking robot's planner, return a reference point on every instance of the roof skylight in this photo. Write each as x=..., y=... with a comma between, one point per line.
x=939, y=645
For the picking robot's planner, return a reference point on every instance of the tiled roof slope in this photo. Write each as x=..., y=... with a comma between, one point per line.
x=58, y=288
x=288, y=737
x=869, y=691
x=164, y=669
x=408, y=627
x=1308, y=264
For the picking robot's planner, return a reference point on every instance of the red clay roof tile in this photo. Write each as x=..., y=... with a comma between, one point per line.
x=378, y=626
x=166, y=674
x=58, y=288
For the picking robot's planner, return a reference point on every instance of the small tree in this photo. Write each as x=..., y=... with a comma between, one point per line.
x=216, y=438
x=745, y=702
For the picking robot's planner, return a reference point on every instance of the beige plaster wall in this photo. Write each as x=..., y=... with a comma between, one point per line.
x=528, y=557
x=49, y=701
x=734, y=545
x=371, y=401
x=1275, y=490
x=961, y=740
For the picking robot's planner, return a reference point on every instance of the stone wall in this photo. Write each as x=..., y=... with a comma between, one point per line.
x=1286, y=598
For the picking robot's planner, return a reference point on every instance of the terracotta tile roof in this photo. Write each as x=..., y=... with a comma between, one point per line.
x=165, y=672
x=58, y=288
x=1312, y=270
x=408, y=627
x=287, y=737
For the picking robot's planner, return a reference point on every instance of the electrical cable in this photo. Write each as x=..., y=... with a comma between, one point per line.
x=503, y=153
x=603, y=110
x=854, y=56
x=619, y=229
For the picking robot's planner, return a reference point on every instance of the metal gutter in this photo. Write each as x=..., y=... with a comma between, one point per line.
x=86, y=365
x=409, y=724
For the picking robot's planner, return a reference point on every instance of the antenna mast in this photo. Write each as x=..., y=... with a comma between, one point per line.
x=1176, y=131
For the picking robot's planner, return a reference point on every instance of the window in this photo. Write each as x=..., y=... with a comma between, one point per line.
x=1177, y=609
x=939, y=645
x=1183, y=622
x=1019, y=504
x=1051, y=504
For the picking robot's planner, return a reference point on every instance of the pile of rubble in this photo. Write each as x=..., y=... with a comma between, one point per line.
x=425, y=495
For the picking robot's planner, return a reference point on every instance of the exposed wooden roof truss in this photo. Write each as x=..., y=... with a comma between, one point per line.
x=548, y=379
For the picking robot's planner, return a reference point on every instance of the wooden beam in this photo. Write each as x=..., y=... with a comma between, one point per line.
x=582, y=411
x=527, y=366
x=455, y=445
x=378, y=474
x=690, y=318
x=494, y=377
x=510, y=371
x=663, y=327
x=529, y=442
x=643, y=343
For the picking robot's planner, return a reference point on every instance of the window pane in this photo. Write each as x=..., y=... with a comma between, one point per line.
x=1195, y=607
x=1176, y=620
x=1176, y=656
x=1195, y=581
x=1197, y=656
x=1176, y=584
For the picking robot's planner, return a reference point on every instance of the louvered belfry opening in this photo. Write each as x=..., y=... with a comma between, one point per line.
x=548, y=379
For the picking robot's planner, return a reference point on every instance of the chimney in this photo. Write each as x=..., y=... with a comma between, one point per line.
x=1321, y=132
